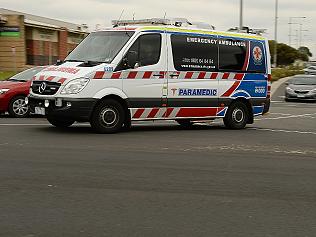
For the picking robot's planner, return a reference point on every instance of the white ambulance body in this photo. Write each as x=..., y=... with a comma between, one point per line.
x=157, y=71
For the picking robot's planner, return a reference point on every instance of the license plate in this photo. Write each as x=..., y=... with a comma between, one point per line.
x=300, y=96
x=40, y=110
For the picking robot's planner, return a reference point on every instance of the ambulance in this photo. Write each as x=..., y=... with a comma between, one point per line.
x=156, y=69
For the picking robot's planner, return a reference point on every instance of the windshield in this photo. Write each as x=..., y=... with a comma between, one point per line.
x=304, y=81
x=27, y=74
x=100, y=47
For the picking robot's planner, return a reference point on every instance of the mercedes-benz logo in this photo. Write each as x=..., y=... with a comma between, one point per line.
x=42, y=87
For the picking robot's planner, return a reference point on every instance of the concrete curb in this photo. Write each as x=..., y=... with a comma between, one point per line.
x=275, y=85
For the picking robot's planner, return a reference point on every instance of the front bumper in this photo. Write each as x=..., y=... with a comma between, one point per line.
x=70, y=109
x=294, y=96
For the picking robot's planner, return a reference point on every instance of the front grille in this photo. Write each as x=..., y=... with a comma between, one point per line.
x=301, y=92
x=45, y=87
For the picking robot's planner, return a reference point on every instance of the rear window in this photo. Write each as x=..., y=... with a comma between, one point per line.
x=194, y=53
x=232, y=54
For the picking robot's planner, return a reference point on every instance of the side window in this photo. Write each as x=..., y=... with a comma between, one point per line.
x=144, y=52
x=194, y=53
x=232, y=54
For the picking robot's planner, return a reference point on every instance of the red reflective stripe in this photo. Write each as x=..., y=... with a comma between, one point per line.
x=153, y=113
x=41, y=78
x=225, y=76
x=239, y=76
x=99, y=75
x=246, y=63
x=220, y=109
x=62, y=80
x=147, y=75
x=201, y=75
x=232, y=89
x=116, y=75
x=188, y=75
x=50, y=78
x=197, y=112
x=168, y=112
x=214, y=75
x=132, y=75
x=138, y=113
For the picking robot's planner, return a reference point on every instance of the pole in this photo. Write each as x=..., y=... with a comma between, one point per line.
x=300, y=42
x=276, y=35
x=241, y=16
x=290, y=30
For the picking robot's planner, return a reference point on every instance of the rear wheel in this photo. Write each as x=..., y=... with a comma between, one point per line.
x=184, y=122
x=60, y=123
x=237, y=116
x=108, y=117
x=18, y=108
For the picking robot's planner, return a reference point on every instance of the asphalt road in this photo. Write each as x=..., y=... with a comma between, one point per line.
x=161, y=180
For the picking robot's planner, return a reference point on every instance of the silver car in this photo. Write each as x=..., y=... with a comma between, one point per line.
x=310, y=70
x=301, y=87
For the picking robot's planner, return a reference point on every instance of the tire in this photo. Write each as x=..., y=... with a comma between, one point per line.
x=18, y=108
x=186, y=123
x=108, y=117
x=128, y=122
x=237, y=116
x=60, y=123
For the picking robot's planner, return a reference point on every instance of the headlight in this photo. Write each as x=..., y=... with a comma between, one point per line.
x=2, y=91
x=313, y=91
x=75, y=86
x=289, y=89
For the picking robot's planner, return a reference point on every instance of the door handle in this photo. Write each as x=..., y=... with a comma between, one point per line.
x=174, y=75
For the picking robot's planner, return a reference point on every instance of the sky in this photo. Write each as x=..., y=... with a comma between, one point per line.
x=223, y=14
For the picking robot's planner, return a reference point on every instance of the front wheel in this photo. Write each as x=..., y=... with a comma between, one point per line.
x=60, y=123
x=108, y=117
x=237, y=116
x=18, y=108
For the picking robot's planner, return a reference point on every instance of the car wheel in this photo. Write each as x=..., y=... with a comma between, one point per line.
x=237, y=116
x=60, y=123
x=108, y=117
x=184, y=122
x=18, y=108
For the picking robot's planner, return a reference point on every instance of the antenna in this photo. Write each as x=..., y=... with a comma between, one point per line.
x=117, y=23
x=121, y=15
x=164, y=17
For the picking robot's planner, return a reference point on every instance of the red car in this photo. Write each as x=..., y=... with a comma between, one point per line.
x=14, y=90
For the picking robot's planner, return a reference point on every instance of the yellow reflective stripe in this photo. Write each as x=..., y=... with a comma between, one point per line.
x=204, y=32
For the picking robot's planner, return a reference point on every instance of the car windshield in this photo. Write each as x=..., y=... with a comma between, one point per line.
x=304, y=81
x=27, y=74
x=100, y=47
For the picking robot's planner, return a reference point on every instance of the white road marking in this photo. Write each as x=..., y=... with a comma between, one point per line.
x=282, y=130
x=287, y=117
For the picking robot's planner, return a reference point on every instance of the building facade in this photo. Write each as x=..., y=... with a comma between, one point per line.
x=27, y=40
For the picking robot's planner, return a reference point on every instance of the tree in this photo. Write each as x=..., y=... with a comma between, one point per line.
x=286, y=54
x=305, y=50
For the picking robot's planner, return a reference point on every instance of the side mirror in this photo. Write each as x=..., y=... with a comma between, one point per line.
x=131, y=59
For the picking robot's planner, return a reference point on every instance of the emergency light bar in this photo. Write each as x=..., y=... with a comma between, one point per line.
x=179, y=22
x=248, y=30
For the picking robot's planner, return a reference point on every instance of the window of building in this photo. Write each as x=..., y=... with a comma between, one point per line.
x=194, y=53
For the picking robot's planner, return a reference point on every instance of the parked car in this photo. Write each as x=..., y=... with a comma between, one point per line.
x=301, y=87
x=310, y=70
x=14, y=90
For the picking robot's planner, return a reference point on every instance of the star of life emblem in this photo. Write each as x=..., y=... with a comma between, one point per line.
x=257, y=55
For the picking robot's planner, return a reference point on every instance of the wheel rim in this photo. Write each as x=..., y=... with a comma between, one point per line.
x=238, y=115
x=109, y=117
x=19, y=107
